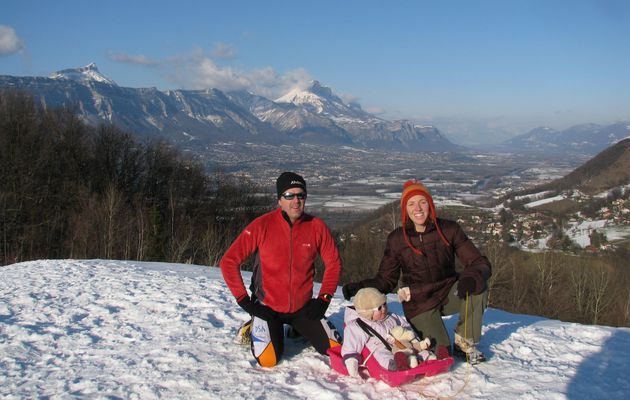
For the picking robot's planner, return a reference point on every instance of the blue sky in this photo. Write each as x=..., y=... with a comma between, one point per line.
x=478, y=70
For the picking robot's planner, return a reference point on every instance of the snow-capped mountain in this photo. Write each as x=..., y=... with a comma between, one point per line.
x=579, y=139
x=313, y=115
x=294, y=121
x=364, y=128
x=181, y=116
x=321, y=100
x=87, y=74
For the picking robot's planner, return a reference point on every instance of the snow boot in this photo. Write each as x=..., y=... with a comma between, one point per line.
x=402, y=361
x=244, y=334
x=442, y=352
x=467, y=350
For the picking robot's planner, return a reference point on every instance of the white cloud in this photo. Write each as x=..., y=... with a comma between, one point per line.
x=349, y=98
x=225, y=51
x=134, y=59
x=10, y=43
x=198, y=71
x=376, y=110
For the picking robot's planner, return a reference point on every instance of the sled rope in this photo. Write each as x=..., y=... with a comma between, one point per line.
x=367, y=358
x=468, y=368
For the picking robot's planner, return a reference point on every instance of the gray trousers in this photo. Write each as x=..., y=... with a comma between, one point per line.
x=431, y=325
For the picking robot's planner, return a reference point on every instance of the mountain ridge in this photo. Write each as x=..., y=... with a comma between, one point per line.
x=586, y=138
x=199, y=117
x=607, y=170
x=312, y=115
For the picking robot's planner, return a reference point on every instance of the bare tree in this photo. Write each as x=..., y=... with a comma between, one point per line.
x=601, y=297
x=393, y=216
x=579, y=279
x=545, y=284
x=498, y=256
x=625, y=310
x=518, y=292
x=112, y=208
x=213, y=245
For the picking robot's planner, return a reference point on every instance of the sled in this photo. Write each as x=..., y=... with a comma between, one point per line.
x=392, y=378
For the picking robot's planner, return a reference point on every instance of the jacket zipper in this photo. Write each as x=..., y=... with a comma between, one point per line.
x=290, y=268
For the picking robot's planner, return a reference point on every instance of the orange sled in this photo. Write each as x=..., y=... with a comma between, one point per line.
x=392, y=378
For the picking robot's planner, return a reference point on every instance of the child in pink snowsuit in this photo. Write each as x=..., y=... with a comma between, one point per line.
x=370, y=308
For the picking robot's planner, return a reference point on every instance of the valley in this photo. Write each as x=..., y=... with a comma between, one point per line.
x=346, y=185
x=341, y=177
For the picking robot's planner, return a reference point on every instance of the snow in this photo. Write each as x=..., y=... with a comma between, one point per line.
x=84, y=74
x=548, y=200
x=123, y=329
x=371, y=202
x=580, y=232
x=362, y=203
x=532, y=196
x=299, y=96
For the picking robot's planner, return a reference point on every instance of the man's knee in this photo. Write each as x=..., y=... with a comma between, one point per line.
x=268, y=357
x=322, y=334
x=266, y=345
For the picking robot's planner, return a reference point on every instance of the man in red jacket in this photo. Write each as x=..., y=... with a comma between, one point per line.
x=286, y=241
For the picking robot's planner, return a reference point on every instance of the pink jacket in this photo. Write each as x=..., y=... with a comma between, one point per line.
x=355, y=338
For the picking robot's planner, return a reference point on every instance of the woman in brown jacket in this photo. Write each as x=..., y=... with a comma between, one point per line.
x=422, y=254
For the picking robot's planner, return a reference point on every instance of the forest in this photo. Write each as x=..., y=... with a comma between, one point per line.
x=69, y=190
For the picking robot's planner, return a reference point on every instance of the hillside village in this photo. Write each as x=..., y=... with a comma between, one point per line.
x=529, y=227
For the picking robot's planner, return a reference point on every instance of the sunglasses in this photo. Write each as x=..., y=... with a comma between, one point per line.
x=290, y=196
x=379, y=308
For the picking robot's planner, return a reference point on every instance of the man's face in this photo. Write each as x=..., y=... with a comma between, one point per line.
x=293, y=207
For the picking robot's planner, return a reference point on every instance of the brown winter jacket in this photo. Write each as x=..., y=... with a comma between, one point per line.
x=429, y=275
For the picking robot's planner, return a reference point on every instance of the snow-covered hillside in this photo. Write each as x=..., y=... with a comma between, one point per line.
x=131, y=330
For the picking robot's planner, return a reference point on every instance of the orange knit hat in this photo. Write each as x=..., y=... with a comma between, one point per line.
x=412, y=188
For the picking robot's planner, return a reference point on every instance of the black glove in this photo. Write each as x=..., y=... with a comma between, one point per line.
x=315, y=309
x=257, y=309
x=350, y=289
x=465, y=285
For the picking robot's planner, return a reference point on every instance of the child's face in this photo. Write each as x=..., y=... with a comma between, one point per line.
x=380, y=313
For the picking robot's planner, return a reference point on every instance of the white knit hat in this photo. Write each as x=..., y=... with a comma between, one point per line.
x=366, y=300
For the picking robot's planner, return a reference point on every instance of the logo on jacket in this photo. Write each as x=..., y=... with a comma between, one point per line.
x=306, y=244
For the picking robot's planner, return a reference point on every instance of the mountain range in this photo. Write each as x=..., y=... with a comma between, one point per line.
x=200, y=117
x=578, y=139
x=313, y=115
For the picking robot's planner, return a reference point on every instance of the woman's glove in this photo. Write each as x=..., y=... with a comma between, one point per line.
x=465, y=285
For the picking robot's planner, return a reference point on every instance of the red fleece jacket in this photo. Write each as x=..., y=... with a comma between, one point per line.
x=287, y=254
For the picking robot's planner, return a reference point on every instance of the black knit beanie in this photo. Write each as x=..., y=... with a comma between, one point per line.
x=288, y=180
